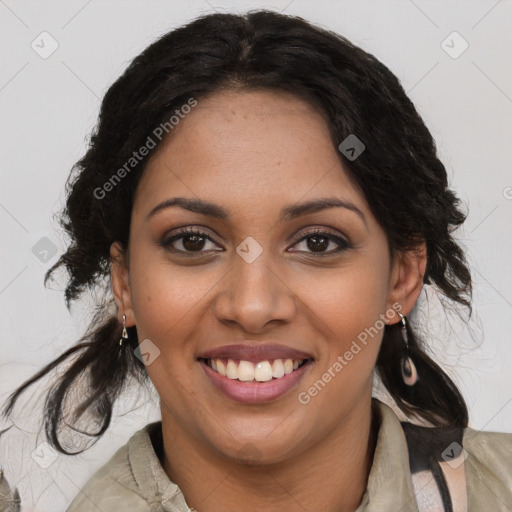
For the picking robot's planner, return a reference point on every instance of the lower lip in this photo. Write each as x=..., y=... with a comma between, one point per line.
x=255, y=392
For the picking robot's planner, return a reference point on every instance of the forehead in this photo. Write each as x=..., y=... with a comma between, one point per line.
x=258, y=148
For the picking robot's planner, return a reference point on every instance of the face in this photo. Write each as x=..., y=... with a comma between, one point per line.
x=313, y=281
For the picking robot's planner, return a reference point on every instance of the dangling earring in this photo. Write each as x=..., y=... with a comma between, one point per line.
x=409, y=372
x=124, y=335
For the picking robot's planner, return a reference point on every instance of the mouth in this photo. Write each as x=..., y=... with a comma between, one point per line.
x=252, y=383
x=262, y=371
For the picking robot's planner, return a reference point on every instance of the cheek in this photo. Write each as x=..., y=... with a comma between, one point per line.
x=347, y=306
x=166, y=303
x=165, y=296
x=346, y=299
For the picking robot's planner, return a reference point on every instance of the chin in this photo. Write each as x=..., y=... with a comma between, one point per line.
x=254, y=453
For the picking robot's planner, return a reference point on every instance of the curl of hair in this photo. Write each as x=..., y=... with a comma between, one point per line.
x=399, y=173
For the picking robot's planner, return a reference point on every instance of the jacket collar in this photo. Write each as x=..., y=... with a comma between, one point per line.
x=389, y=482
x=151, y=479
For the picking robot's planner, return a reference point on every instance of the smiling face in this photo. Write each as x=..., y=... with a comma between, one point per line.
x=256, y=274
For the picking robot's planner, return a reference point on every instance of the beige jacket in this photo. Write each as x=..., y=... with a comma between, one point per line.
x=134, y=480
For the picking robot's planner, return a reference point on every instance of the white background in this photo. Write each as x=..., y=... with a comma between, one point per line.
x=49, y=106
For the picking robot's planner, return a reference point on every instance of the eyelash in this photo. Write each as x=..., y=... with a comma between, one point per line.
x=166, y=243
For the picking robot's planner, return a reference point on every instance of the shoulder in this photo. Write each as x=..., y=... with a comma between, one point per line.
x=489, y=447
x=488, y=466
x=483, y=459
x=133, y=479
x=111, y=487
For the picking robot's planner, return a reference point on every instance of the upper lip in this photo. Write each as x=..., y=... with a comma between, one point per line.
x=254, y=352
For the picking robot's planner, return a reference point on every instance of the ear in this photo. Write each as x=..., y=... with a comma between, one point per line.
x=121, y=284
x=406, y=279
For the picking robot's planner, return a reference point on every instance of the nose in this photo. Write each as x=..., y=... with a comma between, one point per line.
x=253, y=295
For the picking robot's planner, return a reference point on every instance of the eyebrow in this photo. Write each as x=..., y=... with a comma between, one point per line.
x=288, y=213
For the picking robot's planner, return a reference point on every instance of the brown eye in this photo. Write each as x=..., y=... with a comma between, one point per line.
x=191, y=240
x=318, y=242
x=193, y=243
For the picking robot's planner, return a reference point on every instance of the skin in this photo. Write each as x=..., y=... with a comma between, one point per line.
x=253, y=153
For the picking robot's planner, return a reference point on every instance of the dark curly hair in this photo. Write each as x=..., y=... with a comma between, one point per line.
x=399, y=173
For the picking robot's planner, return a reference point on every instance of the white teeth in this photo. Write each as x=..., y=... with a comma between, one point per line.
x=221, y=367
x=247, y=371
x=288, y=366
x=277, y=369
x=262, y=371
x=231, y=370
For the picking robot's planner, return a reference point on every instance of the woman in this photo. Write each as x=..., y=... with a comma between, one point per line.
x=265, y=205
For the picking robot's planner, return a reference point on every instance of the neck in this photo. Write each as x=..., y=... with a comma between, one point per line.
x=337, y=468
